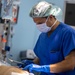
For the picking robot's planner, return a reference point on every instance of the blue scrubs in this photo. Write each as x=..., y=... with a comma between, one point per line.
x=54, y=48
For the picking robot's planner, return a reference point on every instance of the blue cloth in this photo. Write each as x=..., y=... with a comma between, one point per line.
x=54, y=48
x=37, y=68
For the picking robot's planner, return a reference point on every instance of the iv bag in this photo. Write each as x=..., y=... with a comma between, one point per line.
x=6, y=9
x=17, y=2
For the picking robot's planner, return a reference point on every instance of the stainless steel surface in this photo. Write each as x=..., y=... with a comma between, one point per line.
x=14, y=61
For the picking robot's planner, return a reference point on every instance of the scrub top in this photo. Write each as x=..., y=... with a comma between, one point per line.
x=54, y=48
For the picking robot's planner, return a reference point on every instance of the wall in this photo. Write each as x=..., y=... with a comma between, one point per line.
x=26, y=32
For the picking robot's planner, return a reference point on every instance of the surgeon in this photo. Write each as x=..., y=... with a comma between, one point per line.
x=55, y=48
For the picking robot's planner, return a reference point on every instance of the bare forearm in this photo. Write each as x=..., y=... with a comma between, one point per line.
x=36, y=61
x=63, y=66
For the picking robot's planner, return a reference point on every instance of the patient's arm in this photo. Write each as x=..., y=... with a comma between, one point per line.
x=8, y=70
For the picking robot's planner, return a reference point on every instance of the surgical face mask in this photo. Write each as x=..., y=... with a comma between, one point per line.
x=44, y=28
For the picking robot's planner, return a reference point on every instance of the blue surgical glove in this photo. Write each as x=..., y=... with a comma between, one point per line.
x=37, y=68
x=26, y=62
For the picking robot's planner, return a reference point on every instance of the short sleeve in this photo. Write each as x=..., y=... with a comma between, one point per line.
x=68, y=42
x=37, y=46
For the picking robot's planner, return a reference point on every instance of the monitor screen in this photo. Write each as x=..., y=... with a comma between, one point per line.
x=70, y=14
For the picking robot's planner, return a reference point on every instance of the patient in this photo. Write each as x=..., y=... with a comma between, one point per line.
x=10, y=70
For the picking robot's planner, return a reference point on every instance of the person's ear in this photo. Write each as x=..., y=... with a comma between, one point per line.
x=50, y=17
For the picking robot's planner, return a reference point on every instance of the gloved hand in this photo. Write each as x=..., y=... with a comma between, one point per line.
x=26, y=62
x=37, y=68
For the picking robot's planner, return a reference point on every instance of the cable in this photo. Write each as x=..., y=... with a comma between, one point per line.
x=14, y=61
